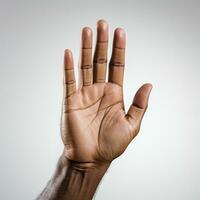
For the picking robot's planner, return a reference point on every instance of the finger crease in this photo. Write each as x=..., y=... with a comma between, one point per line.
x=86, y=66
x=69, y=82
x=116, y=65
x=68, y=69
x=119, y=48
x=86, y=48
x=102, y=41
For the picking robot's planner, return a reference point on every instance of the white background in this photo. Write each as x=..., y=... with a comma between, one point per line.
x=163, y=46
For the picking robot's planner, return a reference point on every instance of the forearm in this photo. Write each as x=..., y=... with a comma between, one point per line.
x=74, y=181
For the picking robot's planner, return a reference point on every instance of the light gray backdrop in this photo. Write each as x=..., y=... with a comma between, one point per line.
x=163, y=47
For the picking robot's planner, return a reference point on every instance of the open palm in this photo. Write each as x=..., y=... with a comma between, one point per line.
x=94, y=125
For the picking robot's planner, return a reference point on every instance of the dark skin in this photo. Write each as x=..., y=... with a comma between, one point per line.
x=95, y=128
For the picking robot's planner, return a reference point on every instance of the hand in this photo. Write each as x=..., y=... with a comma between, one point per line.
x=95, y=128
x=94, y=124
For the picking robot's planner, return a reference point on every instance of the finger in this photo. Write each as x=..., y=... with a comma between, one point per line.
x=69, y=77
x=86, y=78
x=100, y=56
x=139, y=105
x=117, y=62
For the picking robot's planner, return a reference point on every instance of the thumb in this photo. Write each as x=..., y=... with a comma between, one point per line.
x=139, y=105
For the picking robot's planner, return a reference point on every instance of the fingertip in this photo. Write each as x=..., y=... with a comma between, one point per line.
x=120, y=38
x=142, y=96
x=101, y=20
x=86, y=32
x=145, y=90
x=102, y=31
x=67, y=52
x=68, y=59
x=87, y=37
x=102, y=24
x=148, y=87
x=120, y=32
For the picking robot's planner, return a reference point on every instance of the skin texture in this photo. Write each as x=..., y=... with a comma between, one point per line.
x=95, y=128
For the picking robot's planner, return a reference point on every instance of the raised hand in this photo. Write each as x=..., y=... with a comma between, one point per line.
x=95, y=128
x=94, y=124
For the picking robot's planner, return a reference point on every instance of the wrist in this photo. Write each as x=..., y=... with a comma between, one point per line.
x=74, y=180
x=82, y=178
x=84, y=166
